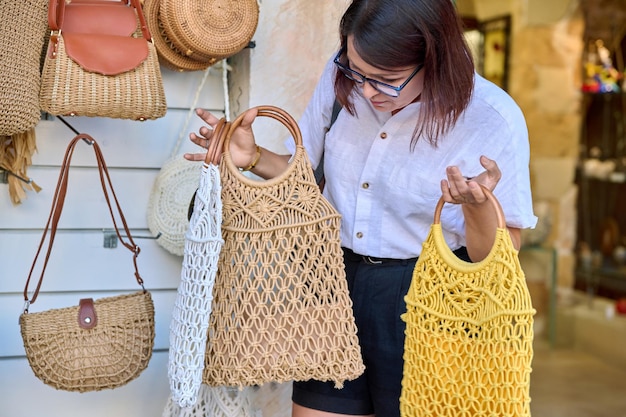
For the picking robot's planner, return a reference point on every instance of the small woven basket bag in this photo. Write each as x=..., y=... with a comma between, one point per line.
x=469, y=331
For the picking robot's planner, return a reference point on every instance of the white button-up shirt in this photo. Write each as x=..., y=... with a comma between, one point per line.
x=387, y=193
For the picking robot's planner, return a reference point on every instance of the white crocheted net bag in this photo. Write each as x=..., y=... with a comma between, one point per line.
x=217, y=402
x=192, y=308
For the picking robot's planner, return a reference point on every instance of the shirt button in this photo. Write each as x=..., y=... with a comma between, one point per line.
x=359, y=235
x=383, y=135
x=366, y=185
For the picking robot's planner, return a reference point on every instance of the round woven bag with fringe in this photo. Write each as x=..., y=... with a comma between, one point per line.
x=469, y=331
x=208, y=29
x=175, y=185
x=169, y=202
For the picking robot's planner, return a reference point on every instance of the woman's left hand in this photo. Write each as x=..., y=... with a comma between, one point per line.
x=458, y=189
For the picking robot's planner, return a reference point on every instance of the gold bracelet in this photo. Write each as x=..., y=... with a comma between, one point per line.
x=254, y=161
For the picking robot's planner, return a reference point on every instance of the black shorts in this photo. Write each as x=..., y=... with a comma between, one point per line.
x=377, y=291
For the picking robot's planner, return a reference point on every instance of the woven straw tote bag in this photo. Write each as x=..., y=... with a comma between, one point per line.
x=469, y=331
x=98, y=344
x=190, y=318
x=281, y=309
x=21, y=41
x=101, y=70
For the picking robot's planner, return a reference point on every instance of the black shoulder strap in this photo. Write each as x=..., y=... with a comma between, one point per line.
x=319, y=171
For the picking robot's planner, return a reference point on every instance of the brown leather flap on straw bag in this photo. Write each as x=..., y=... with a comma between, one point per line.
x=105, y=54
x=95, y=17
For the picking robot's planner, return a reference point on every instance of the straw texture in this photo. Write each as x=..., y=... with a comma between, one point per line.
x=469, y=334
x=169, y=54
x=99, y=344
x=190, y=318
x=69, y=89
x=206, y=29
x=22, y=39
x=281, y=309
x=67, y=357
x=16, y=156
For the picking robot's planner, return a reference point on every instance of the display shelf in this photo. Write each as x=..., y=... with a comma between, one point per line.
x=601, y=205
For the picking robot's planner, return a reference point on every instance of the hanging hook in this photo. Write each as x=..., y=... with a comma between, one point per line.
x=4, y=176
x=73, y=129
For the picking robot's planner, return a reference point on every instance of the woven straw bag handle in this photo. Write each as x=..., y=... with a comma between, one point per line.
x=492, y=199
x=56, y=13
x=57, y=207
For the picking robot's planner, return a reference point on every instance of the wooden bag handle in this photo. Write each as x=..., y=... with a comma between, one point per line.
x=216, y=144
x=492, y=199
x=273, y=112
x=57, y=207
x=289, y=122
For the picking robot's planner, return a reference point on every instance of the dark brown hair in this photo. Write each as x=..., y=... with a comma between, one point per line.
x=390, y=34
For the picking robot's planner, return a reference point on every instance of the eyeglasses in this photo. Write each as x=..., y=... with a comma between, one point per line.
x=379, y=86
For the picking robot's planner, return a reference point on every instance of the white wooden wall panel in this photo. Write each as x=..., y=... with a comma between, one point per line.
x=85, y=205
x=80, y=266
x=90, y=261
x=146, y=144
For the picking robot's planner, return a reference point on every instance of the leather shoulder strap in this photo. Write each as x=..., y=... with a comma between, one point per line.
x=57, y=207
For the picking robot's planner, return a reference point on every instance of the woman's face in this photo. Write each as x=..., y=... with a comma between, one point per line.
x=382, y=102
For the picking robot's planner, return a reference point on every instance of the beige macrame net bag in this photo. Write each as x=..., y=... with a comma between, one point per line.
x=281, y=309
x=469, y=332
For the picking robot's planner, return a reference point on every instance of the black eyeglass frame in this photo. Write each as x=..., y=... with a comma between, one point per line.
x=359, y=78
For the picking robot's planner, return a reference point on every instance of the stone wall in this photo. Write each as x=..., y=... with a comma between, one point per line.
x=544, y=78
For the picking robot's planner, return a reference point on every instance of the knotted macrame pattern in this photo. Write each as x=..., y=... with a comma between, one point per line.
x=469, y=334
x=216, y=402
x=190, y=318
x=281, y=309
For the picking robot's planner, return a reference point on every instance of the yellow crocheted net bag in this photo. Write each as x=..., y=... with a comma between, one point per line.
x=469, y=331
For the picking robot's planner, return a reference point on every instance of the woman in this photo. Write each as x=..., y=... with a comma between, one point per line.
x=416, y=123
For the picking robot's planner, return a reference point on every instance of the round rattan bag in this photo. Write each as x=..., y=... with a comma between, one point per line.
x=169, y=55
x=205, y=29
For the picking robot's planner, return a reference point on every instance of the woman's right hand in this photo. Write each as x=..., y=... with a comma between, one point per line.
x=242, y=143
